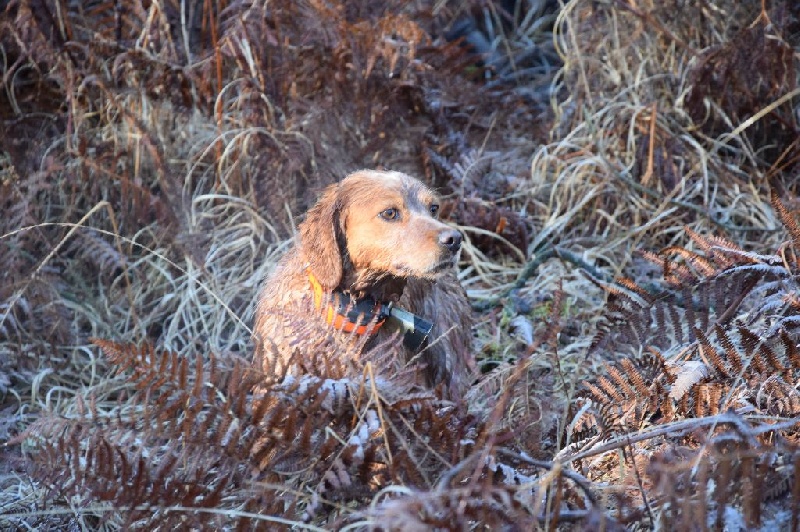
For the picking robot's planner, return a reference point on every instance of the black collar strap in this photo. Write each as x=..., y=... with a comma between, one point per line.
x=367, y=310
x=365, y=316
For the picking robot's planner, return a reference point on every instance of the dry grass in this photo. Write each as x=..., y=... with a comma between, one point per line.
x=153, y=165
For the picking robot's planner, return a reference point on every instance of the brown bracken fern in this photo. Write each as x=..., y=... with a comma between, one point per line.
x=719, y=340
x=211, y=442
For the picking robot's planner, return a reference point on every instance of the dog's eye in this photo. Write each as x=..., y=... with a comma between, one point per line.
x=390, y=214
x=434, y=209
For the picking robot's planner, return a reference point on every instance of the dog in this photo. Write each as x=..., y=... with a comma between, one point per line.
x=376, y=262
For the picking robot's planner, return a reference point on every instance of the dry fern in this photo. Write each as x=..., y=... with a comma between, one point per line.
x=728, y=321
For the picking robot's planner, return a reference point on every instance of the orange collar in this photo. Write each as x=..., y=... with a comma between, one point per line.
x=346, y=314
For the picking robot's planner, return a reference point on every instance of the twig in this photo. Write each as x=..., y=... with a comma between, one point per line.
x=532, y=267
x=582, y=482
x=731, y=418
x=689, y=206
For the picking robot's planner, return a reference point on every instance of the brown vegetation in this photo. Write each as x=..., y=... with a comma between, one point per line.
x=632, y=249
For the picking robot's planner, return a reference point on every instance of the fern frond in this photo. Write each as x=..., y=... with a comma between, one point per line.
x=689, y=374
x=788, y=221
x=709, y=352
x=731, y=354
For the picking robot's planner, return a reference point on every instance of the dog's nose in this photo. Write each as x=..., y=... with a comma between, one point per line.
x=451, y=239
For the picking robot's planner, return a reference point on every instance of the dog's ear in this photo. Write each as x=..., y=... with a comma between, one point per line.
x=319, y=239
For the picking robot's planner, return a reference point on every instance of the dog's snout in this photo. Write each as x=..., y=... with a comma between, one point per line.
x=451, y=239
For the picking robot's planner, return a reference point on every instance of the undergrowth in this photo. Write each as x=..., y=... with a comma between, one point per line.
x=624, y=174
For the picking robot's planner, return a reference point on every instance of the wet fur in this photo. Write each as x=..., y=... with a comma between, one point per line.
x=346, y=244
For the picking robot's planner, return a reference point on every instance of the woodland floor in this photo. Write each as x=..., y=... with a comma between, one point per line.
x=625, y=174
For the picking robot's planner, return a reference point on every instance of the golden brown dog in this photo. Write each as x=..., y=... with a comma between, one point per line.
x=370, y=246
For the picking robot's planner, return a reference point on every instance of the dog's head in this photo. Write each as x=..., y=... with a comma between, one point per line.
x=376, y=225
